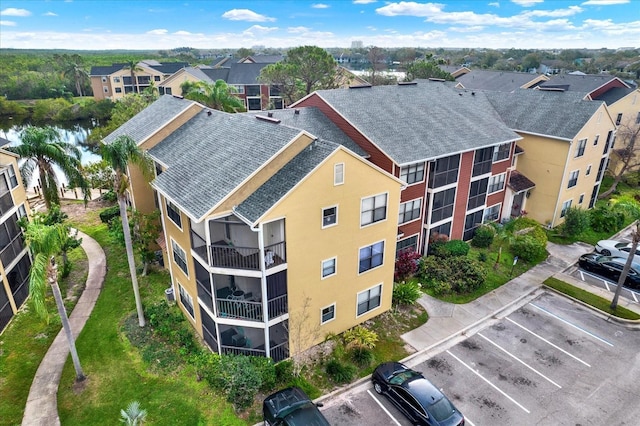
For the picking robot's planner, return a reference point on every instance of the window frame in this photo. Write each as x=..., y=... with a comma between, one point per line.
x=502, y=179
x=337, y=173
x=374, y=209
x=414, y=245
x=596, y=139
x=332, y=308
x=13, y=179
x=588, y=171
x=565, y=206
x=618, y=119
x=371, y=257
x=498, y=153
x=323, y=268
x=487, y=209
x=581, y=198
x=402, y=211
x=335, y=216
x=175, y=245
x=187, y=307
x=482, y=161
x=368, y=291
x=413, y=170
x=581, y=147
x=473, y=200
x=445, y=175
x=173, y=210
x=445, y=207
x=573, y=178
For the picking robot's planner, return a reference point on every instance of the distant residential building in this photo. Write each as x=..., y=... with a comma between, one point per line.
x=502, y=81
x=357, y=44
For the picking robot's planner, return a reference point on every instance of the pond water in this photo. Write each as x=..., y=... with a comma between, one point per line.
x=75, y=134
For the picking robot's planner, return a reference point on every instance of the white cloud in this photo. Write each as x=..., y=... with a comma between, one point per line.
x=371, y=28
x=409, y=8
x=7, y=24
x=363, y=1
x=320, y=6
x=604, y=2
x=183, y=33
x=570, y=11
x=159, y=31
x=49, y=14
x=473, y=29
x=298, y=30
x=494, y=4
x=258, y=30
x=526, y=3
x=246, y=15
x=12, y=11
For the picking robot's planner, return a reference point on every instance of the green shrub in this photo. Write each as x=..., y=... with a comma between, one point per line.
x=482, y=256
x=528, y=248
x=267, y=370
x=361, y=337
x=363, y=357
x=483, y=237
x=243, y=381
x=576, y=221
x=109, y=213
x=604, y=219
x=340, y=372
x=632, y=179
x=452, y=274
x=453, y=248
x=526, y=226
x=110, y=197
x=406, y=293
x=284, y=371
x=312, y=391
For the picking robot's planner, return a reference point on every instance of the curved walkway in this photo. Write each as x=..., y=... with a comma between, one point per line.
x=42, y=403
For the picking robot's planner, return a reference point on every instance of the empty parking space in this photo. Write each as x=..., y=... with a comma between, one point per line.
x=550, y=362
x=604, y=283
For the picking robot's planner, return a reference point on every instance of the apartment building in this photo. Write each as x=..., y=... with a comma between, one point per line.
x=15, y=261
x=500, y=81
x=275, y=237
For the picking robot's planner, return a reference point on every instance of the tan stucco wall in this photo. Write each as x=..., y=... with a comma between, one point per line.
x=308, y=244
x=629, y=106
x=175, y=81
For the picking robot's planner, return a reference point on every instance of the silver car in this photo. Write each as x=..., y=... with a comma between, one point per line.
x=617, y=248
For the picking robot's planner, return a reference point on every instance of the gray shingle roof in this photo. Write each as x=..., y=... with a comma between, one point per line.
x=315, y=122
x=106, y=70
x=285, y=179
x=559, y=114
x=170, y=67
x=150, y=119
x=216, y=73
x=614, y=95
x=422, y=121
x=210, y=155
x=584, y=84
x=502, y=81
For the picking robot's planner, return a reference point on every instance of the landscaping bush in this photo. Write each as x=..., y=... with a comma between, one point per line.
x=604, y=219
x=576, y=221
x=452, y=248
x=406, y=293
x=110, y=197
x=436, y=241
x=243, y=380
x=360, y=337
x=284, y=371
x=528, y=248
x=526, y=226
x=406, y=264
x=267, y=370
x=483, y=236
x=340, y=372
x=363, y=357
x=109, y=213
x=482, y=256
x=452, y=274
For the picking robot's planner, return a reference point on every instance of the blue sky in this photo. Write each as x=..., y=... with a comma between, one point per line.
x=166, y=24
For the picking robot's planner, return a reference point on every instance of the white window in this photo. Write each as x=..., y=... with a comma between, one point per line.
x=582, y=144
x=338, y=174
x=329, y=267
x=22, y=212
x=104, y=79
x=327, y=314
x=116, y=79
x=581, y=199
x=565, y=206
x=186, y=300
x=179, y=257
x=413, y=173
x=371, y=256
x=174, y=214
x=491, y=213
x=501, y=152
x=329, y=216
x=618, y=119
x=638, y=118
x=409, y=211
x=369, y=299
x=595, y=141
x=105, y=89
x=496, y=183
x=573, y=178
x=374, y=209
x=239, y=88
x=588, y=170
x=13, y=179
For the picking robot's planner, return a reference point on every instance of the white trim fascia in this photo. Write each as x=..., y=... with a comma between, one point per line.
x=543, y=135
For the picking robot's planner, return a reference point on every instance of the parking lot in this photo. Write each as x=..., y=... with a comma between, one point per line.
x=550, y=362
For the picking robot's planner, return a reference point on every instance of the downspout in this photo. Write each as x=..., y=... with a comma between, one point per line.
x=263, y=280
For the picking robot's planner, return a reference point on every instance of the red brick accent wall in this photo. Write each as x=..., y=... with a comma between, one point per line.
x=462, y=195
x=376, y=156
x=606, y=88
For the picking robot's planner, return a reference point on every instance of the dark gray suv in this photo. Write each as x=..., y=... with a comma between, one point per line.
x=291, y=407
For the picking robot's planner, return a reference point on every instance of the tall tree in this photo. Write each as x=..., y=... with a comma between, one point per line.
x=42, y=149
x=627, y=158
x=631, y=207
x=45, y=242
x=426, y=68
x=376, y=57
x=279, y=74
x=119, y=154
x=218, y=95
x=73, y=68
x=132, y=66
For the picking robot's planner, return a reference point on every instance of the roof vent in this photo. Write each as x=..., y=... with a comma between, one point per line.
x=550, y=89
x=269, y=119
x=436, y=79
x=270, y=114
x=209, y=113
x=360, y=86
x=407, y=83
x=473, y=93
x=296, y=111
x=459, y=94
x=178, y=97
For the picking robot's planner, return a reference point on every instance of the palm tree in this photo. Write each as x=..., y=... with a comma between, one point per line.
x=132, y=66
x=42, y=148
x=629, y=206
x=133, y=415
x=119, y=154
x=218, y=95
x=45, y=242
x=73, y=69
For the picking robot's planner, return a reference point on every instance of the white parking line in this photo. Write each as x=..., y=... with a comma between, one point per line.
x=597, y=277
x=582, y=275
x=633, y=294
x=571, y=324
x=382, y=406
x=520, y=361
x=489, y=383
x=548, y=342
x=606, y=284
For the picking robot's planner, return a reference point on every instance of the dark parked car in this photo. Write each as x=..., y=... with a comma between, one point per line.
x=291, y=407
x=415, y=396
x=611, y=267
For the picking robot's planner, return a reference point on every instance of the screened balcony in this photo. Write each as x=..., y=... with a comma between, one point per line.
x=250, y=341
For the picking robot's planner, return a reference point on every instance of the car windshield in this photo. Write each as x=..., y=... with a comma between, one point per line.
x=306, y=415
x=402, y=376
x=441, y=409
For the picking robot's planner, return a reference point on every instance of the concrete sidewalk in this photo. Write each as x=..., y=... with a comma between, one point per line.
x=42, y=403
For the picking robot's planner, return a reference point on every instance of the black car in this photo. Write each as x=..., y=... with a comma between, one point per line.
x=611, y=267
x=291, y=407
x=415, y=396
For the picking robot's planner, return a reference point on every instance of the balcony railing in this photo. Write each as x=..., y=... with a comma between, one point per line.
x=233, y=350
x=6, y=202
x=280, y=352
x=278, y=306
x=12, y=250
x=240, y=309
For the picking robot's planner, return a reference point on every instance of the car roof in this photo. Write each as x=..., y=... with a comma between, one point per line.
x=423, y=390
x=286, y=399
x=306, y=415
x=622, y=261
